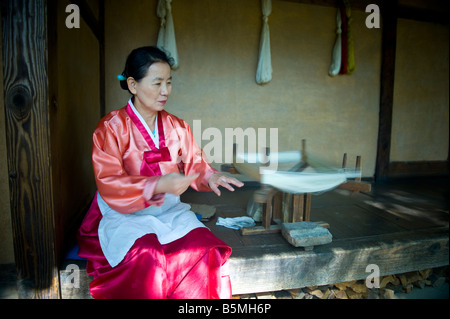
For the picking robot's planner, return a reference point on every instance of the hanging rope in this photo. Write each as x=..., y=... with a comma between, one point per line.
x=161, y=13
x=166, y=34
x=343, y=57
x=264, y=70
x=335, y=66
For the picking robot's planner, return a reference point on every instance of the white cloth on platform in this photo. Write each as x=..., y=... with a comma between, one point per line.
x=235, y=222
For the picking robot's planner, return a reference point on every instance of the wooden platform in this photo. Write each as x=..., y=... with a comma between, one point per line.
x=400, y=227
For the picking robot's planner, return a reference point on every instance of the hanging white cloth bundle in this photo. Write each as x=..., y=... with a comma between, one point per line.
x=166, y=34
x=335, y=66
x=161, y=13
x=264, y=70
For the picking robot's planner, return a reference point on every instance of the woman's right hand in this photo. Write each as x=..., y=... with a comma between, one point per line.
x=174, y=183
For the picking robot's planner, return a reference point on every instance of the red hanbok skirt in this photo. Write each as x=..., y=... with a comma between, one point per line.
x=191, y=267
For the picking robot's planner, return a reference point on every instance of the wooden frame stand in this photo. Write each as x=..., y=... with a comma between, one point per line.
x=280, y=207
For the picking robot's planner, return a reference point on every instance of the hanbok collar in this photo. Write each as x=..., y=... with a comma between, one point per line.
x=158, y=150
x=153, y=135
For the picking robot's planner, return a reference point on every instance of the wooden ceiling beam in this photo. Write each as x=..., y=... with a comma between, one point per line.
x=430, y=11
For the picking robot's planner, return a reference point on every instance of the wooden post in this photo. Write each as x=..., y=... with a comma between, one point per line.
x=267, y=217
x=297, y=207
x=389, y=42
x=344, y=161
x=358, y=167
x=277, y=213
x=304, y=156
x=26, y=56
x=307, y=214
x=287, y=207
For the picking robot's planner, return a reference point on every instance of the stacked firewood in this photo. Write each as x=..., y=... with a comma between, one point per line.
x=389, y=286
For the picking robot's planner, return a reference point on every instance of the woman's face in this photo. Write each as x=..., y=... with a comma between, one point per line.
x=152, y=91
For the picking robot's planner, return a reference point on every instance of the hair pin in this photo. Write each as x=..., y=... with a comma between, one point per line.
x=121, y=77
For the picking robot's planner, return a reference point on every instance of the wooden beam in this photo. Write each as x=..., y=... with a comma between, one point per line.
x=97, y=26
x=27, y=103
x=101, y=45
x=389, y=43
x=285, y=267
x=359, y=5
x=429, y=11
x=89, y=17
x=280, y=267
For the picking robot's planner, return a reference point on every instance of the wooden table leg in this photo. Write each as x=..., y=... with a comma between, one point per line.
x=297, y=208
x=267, y=218
x=307, y=209
x=287, y=209
x=277, y=213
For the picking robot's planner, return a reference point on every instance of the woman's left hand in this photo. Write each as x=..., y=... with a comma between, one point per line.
x=217, y=180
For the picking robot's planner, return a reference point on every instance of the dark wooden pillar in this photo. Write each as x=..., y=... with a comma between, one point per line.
x=389, y=41
x=26, y=58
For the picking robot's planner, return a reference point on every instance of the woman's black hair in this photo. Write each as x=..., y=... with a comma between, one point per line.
x=139, y=60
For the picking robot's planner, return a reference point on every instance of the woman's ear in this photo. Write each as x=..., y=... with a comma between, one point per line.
x=131, y=85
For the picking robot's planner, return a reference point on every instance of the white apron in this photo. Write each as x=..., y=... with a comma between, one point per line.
x=117, y=232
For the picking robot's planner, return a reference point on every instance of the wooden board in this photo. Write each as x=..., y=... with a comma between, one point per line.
x=258, y=230
x=280, y=267
x=257, y=268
